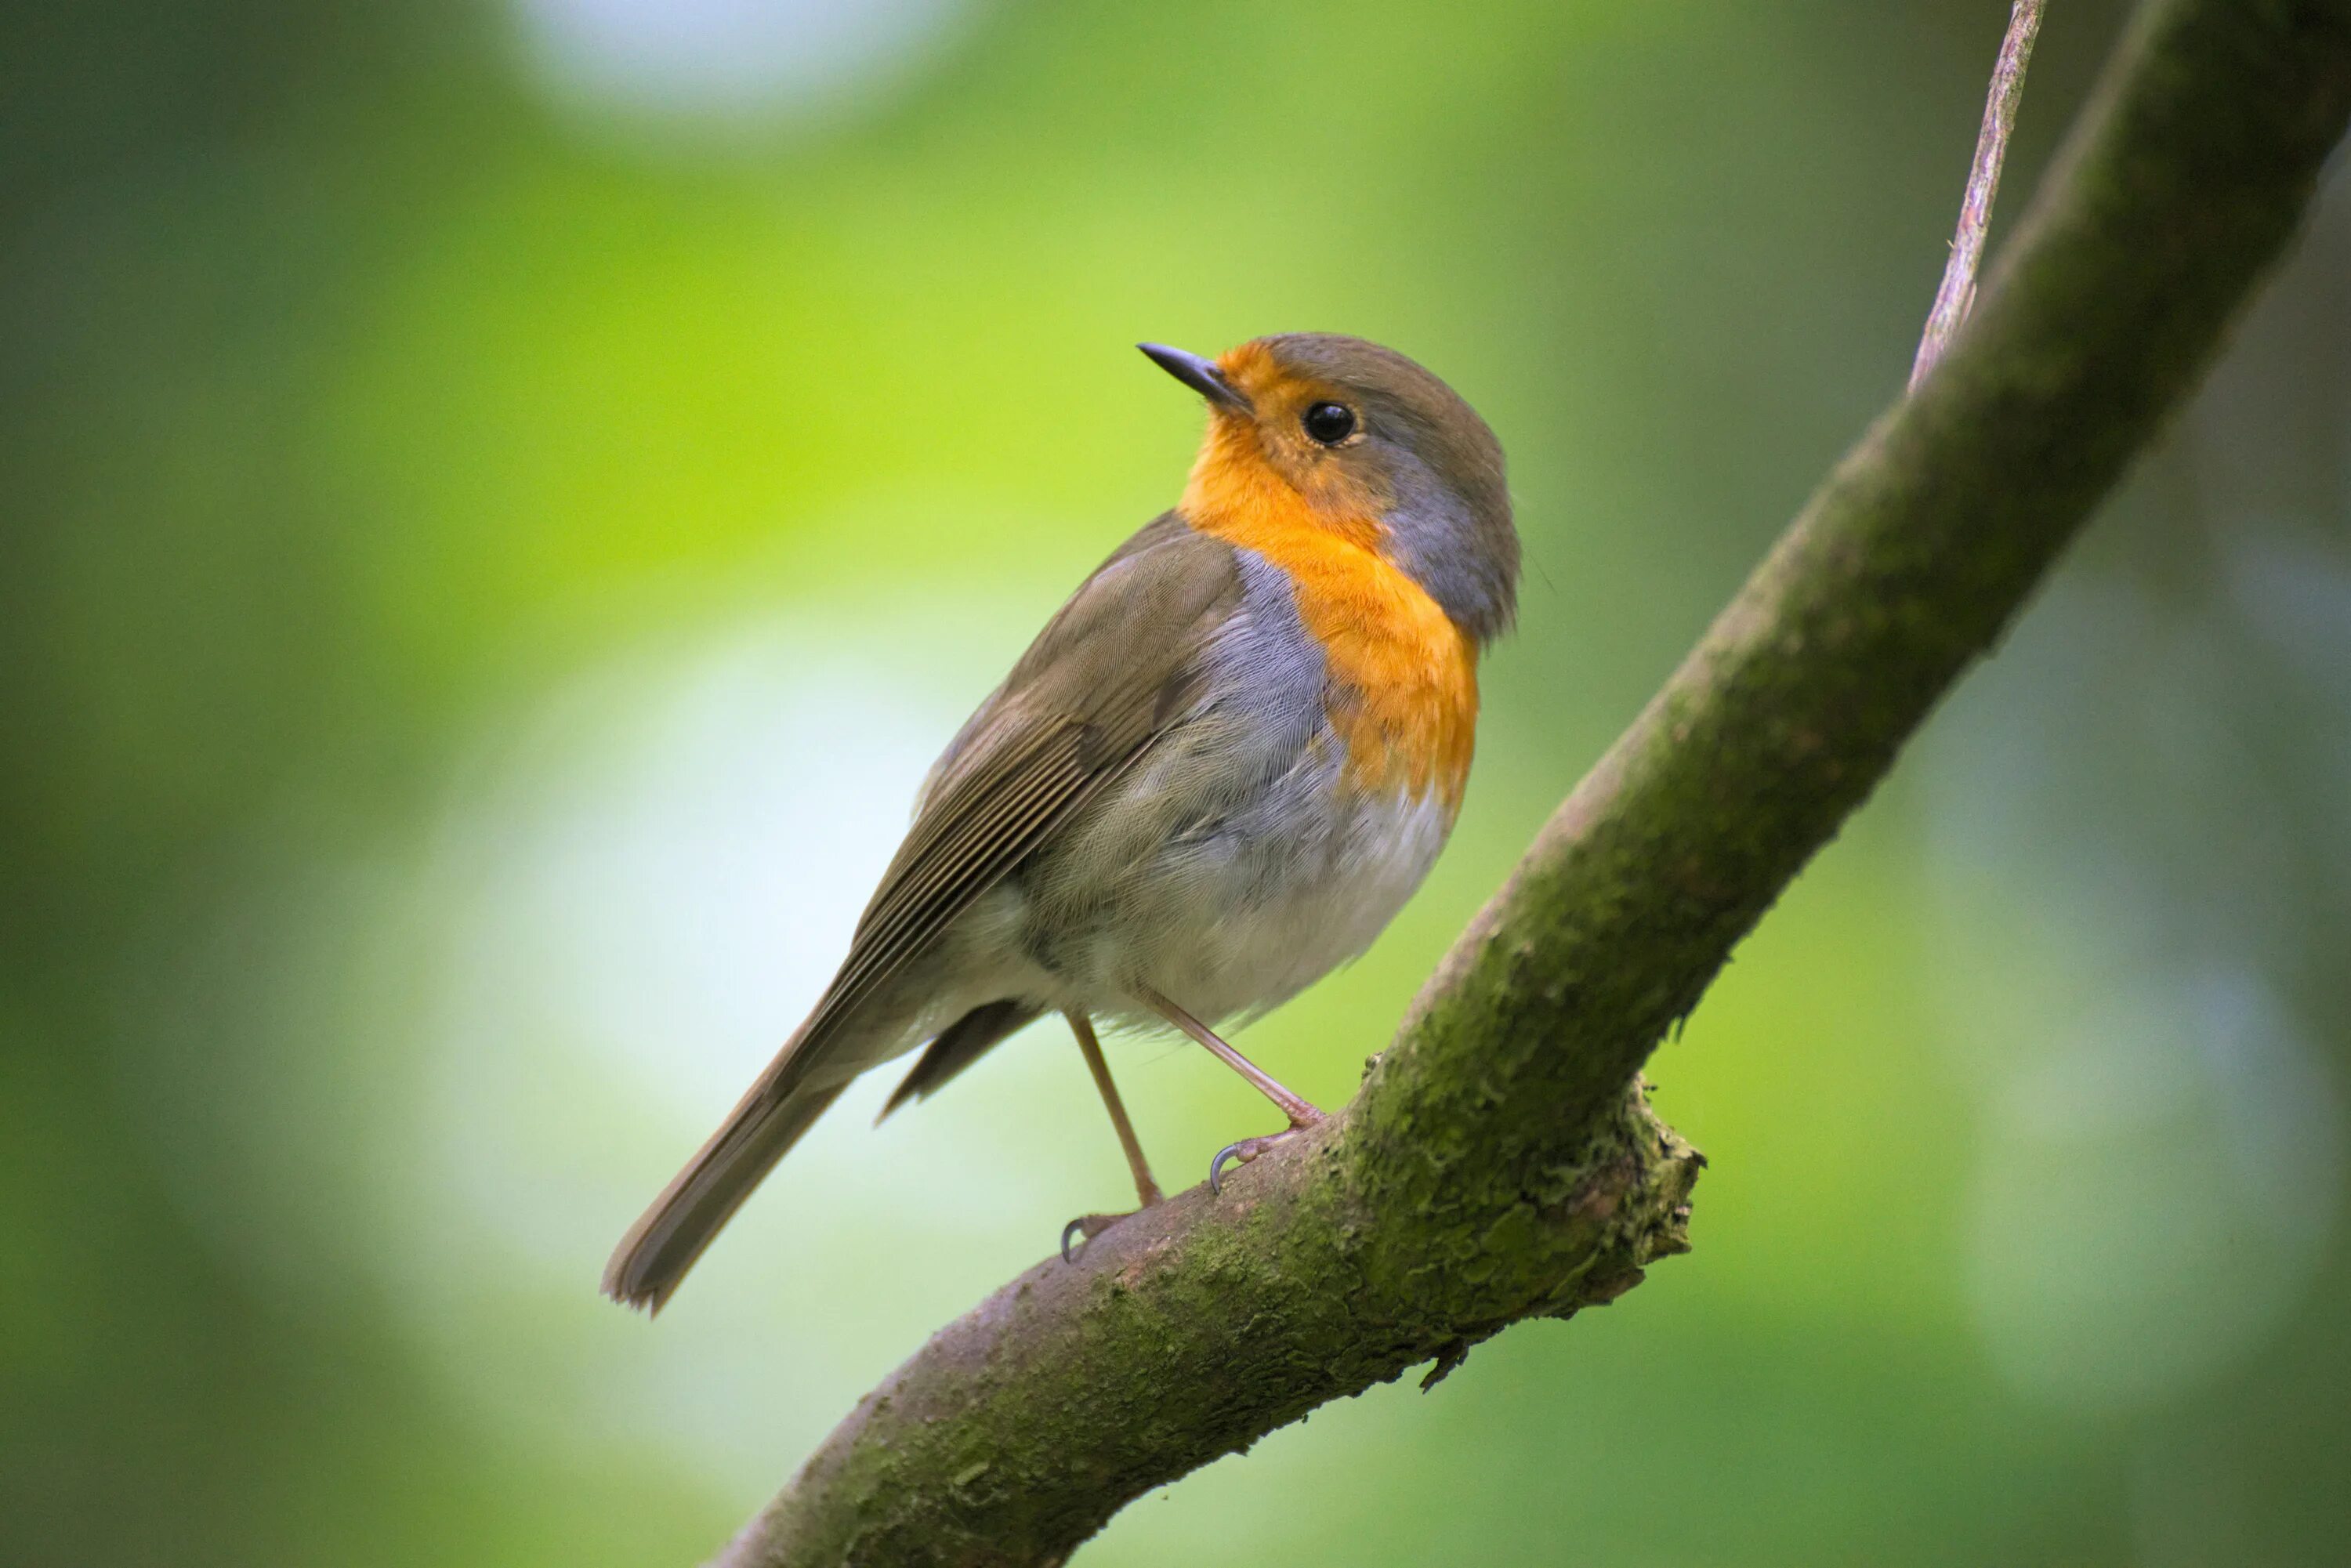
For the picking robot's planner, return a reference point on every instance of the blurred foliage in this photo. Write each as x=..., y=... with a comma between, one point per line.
x=497, y=507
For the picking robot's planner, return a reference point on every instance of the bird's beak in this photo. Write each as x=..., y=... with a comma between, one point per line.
x=1201, y=375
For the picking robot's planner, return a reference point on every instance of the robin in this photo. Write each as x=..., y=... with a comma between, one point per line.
x=1215, y=775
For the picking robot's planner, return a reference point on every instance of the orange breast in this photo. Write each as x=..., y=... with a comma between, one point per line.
x=1402, y=677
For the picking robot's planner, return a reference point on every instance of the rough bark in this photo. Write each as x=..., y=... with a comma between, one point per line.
x=1498, y=1162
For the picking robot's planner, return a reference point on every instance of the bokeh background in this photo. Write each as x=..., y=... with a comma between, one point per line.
x=500, y=504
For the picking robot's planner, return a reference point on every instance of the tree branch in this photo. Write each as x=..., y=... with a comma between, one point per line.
x=1498, y=1162
x=1958, y=292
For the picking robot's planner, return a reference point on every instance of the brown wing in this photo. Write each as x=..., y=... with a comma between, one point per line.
x=1107, y=674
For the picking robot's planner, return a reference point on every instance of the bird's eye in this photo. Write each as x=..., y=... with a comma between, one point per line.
x=1330, y=422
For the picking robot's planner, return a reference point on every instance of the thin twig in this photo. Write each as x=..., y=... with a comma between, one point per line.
x=1958, y=290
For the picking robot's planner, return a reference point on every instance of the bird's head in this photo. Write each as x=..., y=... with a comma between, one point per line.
x=1367, y=443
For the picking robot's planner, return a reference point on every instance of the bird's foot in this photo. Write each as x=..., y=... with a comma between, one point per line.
x=1085, y=1227
x=1248, y=1149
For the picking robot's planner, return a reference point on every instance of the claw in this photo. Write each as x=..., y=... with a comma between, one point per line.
x=1248, y=1149
x=1087, y=1226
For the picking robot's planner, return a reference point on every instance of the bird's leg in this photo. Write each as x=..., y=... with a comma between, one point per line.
x=1300, y=1113
x=1147, y=1190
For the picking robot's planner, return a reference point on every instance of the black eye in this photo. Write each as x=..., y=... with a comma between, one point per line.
x=1330, y=422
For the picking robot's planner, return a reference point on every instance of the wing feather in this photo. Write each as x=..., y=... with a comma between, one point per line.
x=1119, y=663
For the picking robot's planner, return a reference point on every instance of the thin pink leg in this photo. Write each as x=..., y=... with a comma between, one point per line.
x=1300, y=1113
x=1147, y=1190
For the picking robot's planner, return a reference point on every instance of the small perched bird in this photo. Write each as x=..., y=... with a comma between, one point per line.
x=1217, y=774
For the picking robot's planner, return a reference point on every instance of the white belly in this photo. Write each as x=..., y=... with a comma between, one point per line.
x=1244, y=943
x=1227, y=922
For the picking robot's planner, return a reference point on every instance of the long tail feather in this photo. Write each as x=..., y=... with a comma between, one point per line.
x=653, y=1258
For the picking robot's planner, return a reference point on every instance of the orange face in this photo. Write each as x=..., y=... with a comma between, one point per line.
x=1403, y=676
x=1268, y=445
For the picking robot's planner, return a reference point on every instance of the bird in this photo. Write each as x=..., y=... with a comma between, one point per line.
x=1218, y=773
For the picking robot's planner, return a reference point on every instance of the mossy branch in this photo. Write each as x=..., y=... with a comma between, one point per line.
x=1498, y=1162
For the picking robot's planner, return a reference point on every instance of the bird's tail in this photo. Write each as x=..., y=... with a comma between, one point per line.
x=653, y=1257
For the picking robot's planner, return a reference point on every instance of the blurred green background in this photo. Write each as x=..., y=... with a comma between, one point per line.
x=500, y=504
